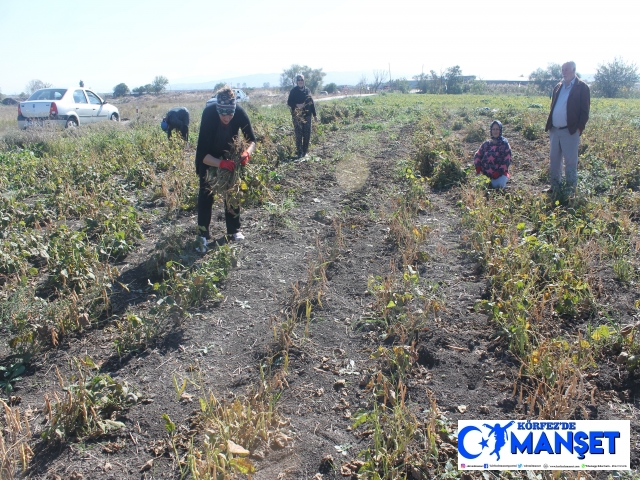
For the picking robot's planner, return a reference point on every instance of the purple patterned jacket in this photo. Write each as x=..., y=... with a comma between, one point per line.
x=493, y=159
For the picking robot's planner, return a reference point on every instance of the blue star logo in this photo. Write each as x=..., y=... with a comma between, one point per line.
x=484, y=443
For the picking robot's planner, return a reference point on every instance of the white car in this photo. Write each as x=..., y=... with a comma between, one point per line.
x=240, y=97
x=67, y=107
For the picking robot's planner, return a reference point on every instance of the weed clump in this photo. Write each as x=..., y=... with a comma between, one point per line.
x=475, y=134
x=333, y=113
x=532, y=131
x=447, y=174
x=87, y=405
x=233, y=430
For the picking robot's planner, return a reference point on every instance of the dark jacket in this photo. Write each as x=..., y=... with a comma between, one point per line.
x=178, y=117
x=578, y=105
x=297, y=95
x=216, y=139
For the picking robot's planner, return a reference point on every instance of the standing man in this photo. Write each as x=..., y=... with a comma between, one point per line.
x=302, y=107
x=569, y=114
x=177, y=119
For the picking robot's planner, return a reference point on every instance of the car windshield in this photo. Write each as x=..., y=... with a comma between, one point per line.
x=48, y=94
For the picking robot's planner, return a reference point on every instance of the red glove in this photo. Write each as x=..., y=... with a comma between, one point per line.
x=227, y=165
x=244, y=158
x=478, y=169
x=496, y=175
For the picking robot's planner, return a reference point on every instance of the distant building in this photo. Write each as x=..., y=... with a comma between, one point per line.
x=507, y=82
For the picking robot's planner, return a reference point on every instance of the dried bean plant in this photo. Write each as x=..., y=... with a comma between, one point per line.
x=230, y=185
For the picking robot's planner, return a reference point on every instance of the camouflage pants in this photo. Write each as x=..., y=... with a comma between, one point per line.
x=302, y=127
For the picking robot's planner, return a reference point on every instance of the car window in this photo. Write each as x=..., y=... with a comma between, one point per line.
x=78, y=97
x=93, y=98
x=48, y=94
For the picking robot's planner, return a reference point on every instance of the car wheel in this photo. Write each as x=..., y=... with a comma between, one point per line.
x=113, y=117
x=71, y=123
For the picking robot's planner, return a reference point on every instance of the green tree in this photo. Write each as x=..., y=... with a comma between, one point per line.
x=120, y=90
x=478, y=87
x=400, y=85
x=616, y=78
x=219, y=86
x=432, y=83
x=453, y=79
x=312, y=77
x=159, y=84
x=81, y=83
x=545, y=79
x=266, y=85
x=331, y=87
x=422, y=82
x=288, y=76
x=35, y=85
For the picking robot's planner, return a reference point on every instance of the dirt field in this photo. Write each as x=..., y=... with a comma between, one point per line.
x=340, y=217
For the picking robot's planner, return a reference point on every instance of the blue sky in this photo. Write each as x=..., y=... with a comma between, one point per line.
x=108, y=42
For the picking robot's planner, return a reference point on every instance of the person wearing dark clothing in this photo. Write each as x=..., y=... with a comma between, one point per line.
x=302, y=108
x=220, y=125
x=570, y=105
x=177, y=119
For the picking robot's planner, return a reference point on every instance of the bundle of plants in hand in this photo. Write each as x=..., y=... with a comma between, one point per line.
x=232, y=186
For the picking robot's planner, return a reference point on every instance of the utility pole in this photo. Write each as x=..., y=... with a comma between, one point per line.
x=389, y=73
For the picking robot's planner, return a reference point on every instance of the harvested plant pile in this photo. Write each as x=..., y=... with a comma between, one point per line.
x=231, y=185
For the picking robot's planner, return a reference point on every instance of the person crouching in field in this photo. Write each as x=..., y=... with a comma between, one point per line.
x=494, y=157
x=177, y=119
x=302, y=108
x=221, y=123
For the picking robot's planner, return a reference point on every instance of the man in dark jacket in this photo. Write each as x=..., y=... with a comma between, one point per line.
x=568, y=117
x=302, y=108
x=221, y=123
x=177, y=119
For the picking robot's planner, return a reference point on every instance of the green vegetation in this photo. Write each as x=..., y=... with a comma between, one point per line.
x=76, y=206
x=546, y=78
x=159, y=84
x=312, y=77
x=120, y=90
x=87, y=405
x=615, y=79
x=331, y=87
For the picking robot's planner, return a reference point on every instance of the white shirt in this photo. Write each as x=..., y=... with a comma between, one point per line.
x=559, y=116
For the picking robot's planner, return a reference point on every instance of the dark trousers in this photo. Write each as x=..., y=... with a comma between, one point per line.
x=184, y=131
x=205, y=204
x=302, y=127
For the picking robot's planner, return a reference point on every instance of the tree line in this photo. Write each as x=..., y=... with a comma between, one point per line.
x=614, y=79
